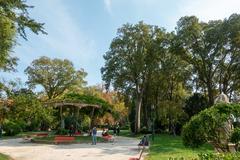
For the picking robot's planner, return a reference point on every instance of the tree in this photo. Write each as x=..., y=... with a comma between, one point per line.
x=54, y=75
x=131, y=59
x=211, y=48
x=14, y=20
x=29, y=112
x=194, y=104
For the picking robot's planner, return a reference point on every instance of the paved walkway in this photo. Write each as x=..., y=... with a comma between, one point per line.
x=122, y=149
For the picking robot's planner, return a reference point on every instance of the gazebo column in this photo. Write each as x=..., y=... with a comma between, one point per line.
x=61, y=117
x=91, y=123
x=76, y=115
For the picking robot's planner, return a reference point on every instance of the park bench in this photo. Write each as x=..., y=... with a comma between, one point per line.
x=108, y=138
x=63, y=139
x=42, y=134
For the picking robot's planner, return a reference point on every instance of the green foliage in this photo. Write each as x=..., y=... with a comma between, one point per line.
x=208, y=125
x=132, y=58
x=219, y=156
x=212, y=50
x=54, y=75
x=193, y=133
x=62, y=131
x=88, y=99
x=14, y=18
x=235, y=136
x=11, y=128
x=194, y=104
x=29, y=110
x=7, y=42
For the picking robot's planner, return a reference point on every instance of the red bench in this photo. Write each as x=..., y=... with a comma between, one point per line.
x=42, y=134
x=63, y=139
x=108, y=138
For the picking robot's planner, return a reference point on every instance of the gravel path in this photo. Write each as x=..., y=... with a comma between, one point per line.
x=122, y=149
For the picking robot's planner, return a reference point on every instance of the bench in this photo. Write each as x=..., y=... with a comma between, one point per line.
x=42, y=134
x=27, y=139
x=108, y=138
x=63, y=139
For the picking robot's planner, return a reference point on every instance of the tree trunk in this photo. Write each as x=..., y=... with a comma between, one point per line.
x=210, y=94
x=138, y=114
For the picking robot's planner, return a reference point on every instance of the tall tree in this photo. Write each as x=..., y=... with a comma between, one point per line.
x=131, y=59
x=14, y=20
x=208, y=47
x=54, y=75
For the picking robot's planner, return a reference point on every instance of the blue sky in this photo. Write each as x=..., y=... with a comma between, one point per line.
x=82, y=30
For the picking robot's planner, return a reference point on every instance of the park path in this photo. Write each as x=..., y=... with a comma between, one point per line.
x=122, y=149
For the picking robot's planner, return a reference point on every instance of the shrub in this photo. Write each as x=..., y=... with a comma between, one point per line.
x=11, y=128
x=193, y=134
x=62, y=131
x=218, y=156
x=208, y=126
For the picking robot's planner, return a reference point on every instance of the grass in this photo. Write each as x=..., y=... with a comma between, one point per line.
x=20, y=135
x=127, y=133
x=166, y=146
x=4, y=157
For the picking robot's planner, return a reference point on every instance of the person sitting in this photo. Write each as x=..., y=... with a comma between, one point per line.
x=144, y=141
x=71, y=130
x=105, y=133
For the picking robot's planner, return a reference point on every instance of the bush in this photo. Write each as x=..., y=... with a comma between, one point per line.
x=208, y=126
x=235, y=137
x=11, y=128
x=62, y=131
x=211, y=156
x=193, y=134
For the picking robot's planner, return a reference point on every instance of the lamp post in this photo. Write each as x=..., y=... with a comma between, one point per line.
x=152, y=108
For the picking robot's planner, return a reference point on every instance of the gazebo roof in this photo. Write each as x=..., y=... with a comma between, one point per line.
x=62, y=103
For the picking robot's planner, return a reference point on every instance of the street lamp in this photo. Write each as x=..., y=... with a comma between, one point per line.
x=152, y=111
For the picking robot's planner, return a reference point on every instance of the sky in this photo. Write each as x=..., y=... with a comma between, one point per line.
x=82, y=30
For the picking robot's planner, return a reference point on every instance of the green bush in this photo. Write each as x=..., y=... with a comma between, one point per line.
x=205, y=126
x=219, y=156
x=235, y=137
x=11, y=128
x=193, y=134
x=62, y=131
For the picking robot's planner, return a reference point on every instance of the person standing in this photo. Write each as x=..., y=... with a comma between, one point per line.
x=94, y=136
x=118, y=129
x=71, y=131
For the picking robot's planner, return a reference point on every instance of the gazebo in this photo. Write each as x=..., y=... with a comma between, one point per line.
x=66, y=103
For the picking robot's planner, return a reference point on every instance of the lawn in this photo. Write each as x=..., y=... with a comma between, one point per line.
x=4, y=157
x=166, y=146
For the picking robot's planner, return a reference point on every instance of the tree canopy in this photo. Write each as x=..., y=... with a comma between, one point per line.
x=14, y=20
x=54, y=75
x=133, y=56
x=212, y=49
